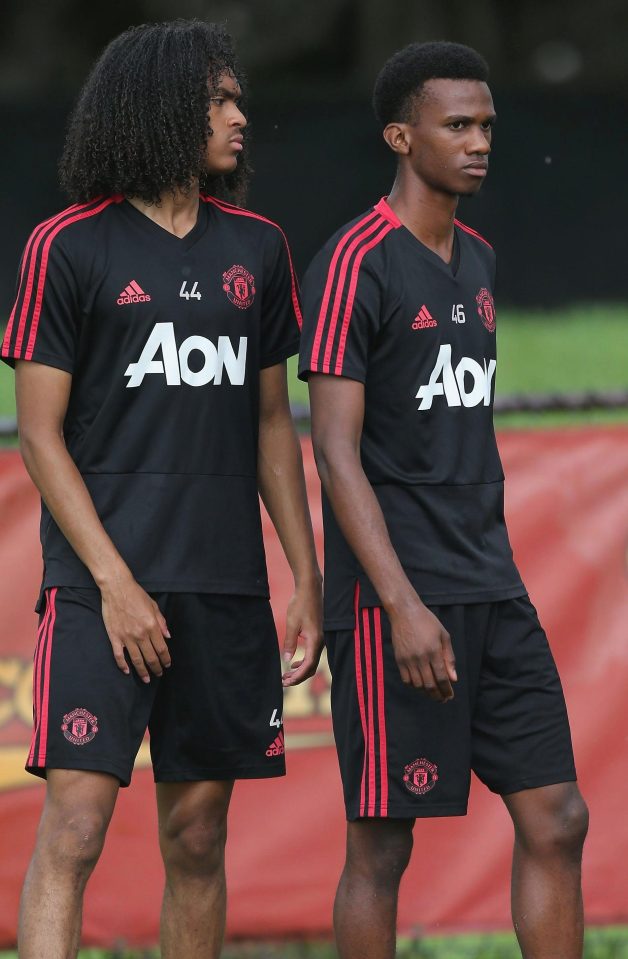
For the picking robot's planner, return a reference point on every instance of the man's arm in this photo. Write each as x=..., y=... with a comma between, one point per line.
x=422, y=646
x=282, y=488
x=132, y=619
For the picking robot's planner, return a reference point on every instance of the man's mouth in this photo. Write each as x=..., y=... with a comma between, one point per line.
x=477, y=168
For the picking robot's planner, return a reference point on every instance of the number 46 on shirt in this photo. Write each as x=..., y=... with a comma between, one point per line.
x=193, y=293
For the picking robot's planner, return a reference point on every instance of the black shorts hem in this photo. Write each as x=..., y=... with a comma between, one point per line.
x=123, y=777
x=534, y=782
x=218, y=775
x=408, y=812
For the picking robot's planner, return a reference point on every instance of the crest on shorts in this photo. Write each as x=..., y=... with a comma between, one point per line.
x=239, y=285
x=486, y=309
x=420, y=776
x=79, y=726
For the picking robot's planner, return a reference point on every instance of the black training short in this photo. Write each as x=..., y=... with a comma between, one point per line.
x=216, y=714
x=403, y=755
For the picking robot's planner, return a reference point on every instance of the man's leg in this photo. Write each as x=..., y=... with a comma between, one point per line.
x=69, y=841
x=365, y=911
x=550, y=828
x=192, y=836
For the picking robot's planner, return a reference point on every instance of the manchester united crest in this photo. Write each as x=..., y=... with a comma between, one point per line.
x=420, y=776
x=239, y=285
x=79, y=726
x=486, y=309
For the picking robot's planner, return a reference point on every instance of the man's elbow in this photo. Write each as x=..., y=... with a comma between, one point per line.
x=333, y=459
x=35, y=439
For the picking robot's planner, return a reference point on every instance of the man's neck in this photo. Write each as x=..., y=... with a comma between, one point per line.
x=427, y=214
x=177, y=212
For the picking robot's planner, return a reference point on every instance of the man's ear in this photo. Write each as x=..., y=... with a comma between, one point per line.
x=396, y=136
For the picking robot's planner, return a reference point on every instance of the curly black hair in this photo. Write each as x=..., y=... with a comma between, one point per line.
x=140, y=125
x=399, y=86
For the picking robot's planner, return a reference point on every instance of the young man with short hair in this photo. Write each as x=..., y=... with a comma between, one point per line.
x=422, y=597
x=150, y=332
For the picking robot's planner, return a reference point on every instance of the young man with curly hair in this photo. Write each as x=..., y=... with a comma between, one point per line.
x=422, y=596
x=150, y=331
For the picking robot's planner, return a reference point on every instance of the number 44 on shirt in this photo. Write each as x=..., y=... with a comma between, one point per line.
x=194, y=293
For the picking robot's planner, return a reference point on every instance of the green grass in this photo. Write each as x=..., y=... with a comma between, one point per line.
x=7, y=391
x=602, y=943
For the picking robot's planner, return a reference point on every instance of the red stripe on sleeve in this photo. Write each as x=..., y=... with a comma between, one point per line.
x=322, y=316
x=340, y=288
x=354, y=282
x=29, y=259
x=85, y=214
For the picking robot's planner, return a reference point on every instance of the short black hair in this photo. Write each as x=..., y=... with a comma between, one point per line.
x=140, y=125
x=400, y=81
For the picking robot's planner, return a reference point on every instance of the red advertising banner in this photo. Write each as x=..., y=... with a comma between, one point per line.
x=567, y=506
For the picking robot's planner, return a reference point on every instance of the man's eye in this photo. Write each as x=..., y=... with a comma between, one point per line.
x=457, y=125
x=217, y=100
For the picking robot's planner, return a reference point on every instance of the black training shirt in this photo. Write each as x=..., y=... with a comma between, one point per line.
x=164, y=338
x=383, y=309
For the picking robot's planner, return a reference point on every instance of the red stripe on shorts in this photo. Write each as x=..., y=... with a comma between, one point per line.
x=42, y=635
x=43, y=737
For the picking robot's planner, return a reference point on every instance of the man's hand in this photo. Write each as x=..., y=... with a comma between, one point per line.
x=423, y=651
x=134, y=622
x=304, y=619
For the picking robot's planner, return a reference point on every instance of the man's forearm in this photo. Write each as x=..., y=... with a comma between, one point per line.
x=282, y=488
x=64, y=491
x=362, y=522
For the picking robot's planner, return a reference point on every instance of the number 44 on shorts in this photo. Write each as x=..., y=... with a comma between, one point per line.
x=276, y=720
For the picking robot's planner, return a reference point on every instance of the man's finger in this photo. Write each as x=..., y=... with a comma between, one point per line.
x=292, y=677
x=163, y=625
x=290, y=642
x=150, y=657
x=404, y=673
x=162, y=651
x=300, y=671
x=118, y=655
x=441, y=676
x=450, y=659
x=138, y=663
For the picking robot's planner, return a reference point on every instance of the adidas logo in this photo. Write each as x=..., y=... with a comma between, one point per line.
x=133, y=293
x=276, y=748
x=423, y=320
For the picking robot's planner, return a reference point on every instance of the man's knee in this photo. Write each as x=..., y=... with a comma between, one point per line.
x=380, y=850
x=72, y=838
x=558, y=827
x=193, y=841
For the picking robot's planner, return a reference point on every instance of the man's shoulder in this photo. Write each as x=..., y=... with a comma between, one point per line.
x=467, y=235
x=67, y=229
x=255, y=224
x=356, y=242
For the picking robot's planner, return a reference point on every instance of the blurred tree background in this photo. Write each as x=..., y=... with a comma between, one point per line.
x=554, y=204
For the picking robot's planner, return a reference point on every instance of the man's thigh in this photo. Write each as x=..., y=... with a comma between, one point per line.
x=218, y=712
x=401, y=754
x=520, y=730
x=87, y=714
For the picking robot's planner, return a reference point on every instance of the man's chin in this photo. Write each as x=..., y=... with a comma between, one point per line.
x=216, y=170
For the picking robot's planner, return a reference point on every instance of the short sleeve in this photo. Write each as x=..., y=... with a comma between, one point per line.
x=281, y=308
x=341, y=316
x=43, y=325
